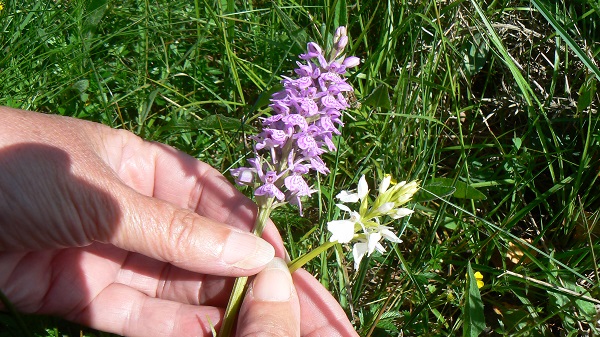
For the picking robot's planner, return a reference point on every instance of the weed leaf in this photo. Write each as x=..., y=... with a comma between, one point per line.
x=474, y=321
x=441, y=187
x=379, y=98
x=220, y=122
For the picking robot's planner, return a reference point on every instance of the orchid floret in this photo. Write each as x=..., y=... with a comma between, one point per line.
x=364, y=227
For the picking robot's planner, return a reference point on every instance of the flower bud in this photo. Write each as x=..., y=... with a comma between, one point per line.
x=339, y=33
x=312, y=50
x=243, y=175
x=341, y=44
x=351, y=61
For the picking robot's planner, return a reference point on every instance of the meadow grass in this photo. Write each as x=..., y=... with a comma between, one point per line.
x=492, y=105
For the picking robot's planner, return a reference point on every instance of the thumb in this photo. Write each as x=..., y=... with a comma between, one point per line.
x=185, y=239
x=271, y=306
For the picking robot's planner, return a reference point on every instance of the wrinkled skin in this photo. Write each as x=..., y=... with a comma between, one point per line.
x=134, y=237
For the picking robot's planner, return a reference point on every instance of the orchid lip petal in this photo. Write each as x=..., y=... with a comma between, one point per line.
x=342, y=231
x=344, y=208
x=373, y=241
x=358, y=252
x=344, y=196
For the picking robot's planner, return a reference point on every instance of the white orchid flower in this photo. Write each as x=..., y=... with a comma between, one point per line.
x=343, y=231
x=360, y=194
x=400, y=213
x=364, y=228
x=361, y=249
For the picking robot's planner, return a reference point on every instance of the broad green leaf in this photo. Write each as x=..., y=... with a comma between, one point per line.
x=433, y=190
x=586, y=94
x=475, y=53
x=220, y=122
x=264, y=98
x=95, y=12
x=464, y=191
x=295, y=32
x=379, y=98
x=146, y=109
x=442, y=187
x=473, y=317
x=81, y=86
x=340, y=17
x=517, y=142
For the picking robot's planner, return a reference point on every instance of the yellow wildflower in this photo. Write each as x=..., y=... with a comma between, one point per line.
x=1, y=6
x=479, y=279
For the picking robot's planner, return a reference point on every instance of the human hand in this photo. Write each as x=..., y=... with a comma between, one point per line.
x=128, y=236
x=271, y=306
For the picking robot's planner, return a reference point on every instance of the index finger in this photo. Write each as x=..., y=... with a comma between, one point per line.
x=160, y=171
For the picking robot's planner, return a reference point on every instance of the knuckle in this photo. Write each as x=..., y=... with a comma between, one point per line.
x=180, y=234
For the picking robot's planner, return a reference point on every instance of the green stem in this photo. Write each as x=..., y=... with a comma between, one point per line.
x=302, y=260
x=241, y=283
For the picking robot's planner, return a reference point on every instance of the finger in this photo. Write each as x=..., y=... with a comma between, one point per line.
x=125, y=311
x=321, y=315
x=183, y=238
x=165, y=281
x=157, y=170
x=271, y=306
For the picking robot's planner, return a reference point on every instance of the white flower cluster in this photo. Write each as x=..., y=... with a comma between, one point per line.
x=364, y=227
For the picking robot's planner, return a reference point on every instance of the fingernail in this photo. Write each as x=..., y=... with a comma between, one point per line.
x=287, y=257
x=247, y=251
x=274, y=283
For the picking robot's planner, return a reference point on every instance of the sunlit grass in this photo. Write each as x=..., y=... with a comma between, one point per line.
x=492, y=105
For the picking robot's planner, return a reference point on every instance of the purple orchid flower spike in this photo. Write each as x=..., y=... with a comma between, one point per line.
x=306, y=115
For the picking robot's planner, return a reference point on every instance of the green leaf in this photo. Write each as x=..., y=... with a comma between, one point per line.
x=81, y=86
x=586, y=94
x=220, y=122
x=95, y=12
x=464, y=191
x=379, y=98
x=295, y=32
x=475, y=53
x=147, y=106
x=441, y=187
x=264, y=98
x=432, y=191
x=473, y=317
x=517, y=142
x=340, y=17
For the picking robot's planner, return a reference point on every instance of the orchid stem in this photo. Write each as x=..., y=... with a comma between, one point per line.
x=241, y=283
